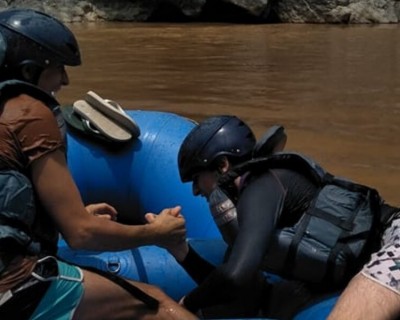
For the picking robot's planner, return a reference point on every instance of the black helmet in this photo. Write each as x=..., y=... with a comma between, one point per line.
x=34, y=37
x=216, y=136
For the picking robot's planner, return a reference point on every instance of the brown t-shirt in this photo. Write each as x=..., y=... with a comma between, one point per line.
x=28, y=130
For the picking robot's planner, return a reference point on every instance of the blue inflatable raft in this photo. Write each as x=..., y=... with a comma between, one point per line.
x=143, y=177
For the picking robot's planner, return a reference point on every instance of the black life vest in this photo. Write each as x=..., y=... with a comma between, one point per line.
x=334, y=236
x=17, y=215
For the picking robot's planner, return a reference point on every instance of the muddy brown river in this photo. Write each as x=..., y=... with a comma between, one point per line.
x=336, y=89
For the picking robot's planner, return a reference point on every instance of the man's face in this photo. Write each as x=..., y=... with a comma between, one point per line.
x=204, y=183
x=53, y=78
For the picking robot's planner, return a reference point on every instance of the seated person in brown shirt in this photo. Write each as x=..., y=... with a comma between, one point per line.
x=42, y=199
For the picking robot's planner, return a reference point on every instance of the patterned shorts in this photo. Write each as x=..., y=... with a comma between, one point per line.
x=384, y=266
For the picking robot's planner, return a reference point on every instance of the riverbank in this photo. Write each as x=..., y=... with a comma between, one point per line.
x=238, y=11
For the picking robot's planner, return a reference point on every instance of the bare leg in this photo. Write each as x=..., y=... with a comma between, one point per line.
x=103, y=299
x=365, y=299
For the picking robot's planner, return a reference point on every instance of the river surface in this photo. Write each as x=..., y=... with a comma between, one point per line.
x=335, y=89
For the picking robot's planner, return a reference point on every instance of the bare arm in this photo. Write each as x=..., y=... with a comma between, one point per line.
x=60, y=197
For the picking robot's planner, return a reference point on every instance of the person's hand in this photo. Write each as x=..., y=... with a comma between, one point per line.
x=171, y=230
x=102, y=210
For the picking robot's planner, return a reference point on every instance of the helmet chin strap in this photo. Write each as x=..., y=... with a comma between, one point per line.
x=226, y=182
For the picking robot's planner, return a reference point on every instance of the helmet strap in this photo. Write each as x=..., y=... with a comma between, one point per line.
x=227, y=183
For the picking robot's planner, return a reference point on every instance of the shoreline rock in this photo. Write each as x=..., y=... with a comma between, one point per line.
x=264, y=11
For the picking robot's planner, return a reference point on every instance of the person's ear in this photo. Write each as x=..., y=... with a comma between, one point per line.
x=28, y=72
x=223, y=165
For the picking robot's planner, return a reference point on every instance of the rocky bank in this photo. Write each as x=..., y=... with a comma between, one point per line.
x=288, y=11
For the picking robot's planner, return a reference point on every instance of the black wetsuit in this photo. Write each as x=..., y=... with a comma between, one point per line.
x=268, y=201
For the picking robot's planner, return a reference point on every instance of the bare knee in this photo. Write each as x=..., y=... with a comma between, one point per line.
x=167, y=306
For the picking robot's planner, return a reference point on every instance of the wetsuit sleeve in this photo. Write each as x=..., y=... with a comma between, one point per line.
x=258, y=209
x=197, y=267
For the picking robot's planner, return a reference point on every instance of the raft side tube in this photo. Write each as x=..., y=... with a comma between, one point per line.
x=142, y=176
x=149, y=264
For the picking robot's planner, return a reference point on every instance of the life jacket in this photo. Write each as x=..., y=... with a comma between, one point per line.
x=22, y=231
x=17, y=215
x=334, y=236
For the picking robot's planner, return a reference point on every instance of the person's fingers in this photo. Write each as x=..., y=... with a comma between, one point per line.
x=101, y=208
x=104, y=216
x=150, y=217
x=176, y=211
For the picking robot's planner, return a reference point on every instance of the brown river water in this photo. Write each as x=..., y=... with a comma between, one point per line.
x=336, y=89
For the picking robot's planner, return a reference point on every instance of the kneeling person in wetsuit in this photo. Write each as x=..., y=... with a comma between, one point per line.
x=287, y=222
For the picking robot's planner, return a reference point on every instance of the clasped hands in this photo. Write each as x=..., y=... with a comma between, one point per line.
x=168, y=225
x=174, y=240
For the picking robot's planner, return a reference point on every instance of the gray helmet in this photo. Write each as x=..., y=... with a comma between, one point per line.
x=214, y=137
x=36, y=38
